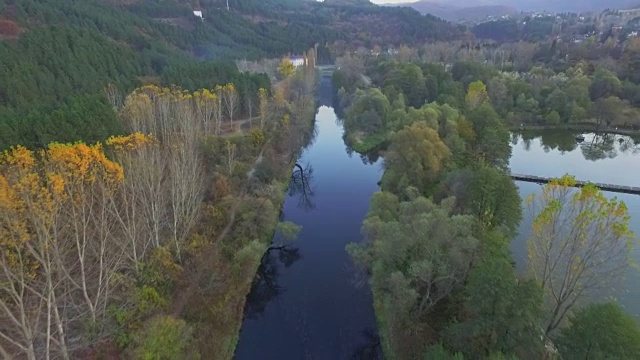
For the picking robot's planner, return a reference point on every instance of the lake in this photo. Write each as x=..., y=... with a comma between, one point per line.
x=608, y=158
x=308, y=300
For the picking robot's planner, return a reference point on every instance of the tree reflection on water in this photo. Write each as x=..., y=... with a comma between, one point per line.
x=265, y=285
x=301, y=185
x=595, y=147
x=371, y=349
x=600, y=147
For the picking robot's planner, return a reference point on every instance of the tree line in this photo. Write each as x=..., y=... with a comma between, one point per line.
x=437, y=236
x=379, y=94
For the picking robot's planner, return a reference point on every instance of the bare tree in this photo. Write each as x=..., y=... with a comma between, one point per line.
x=230, y=100
x=249, y=105
x=231, y=156
x=129, y=206
x=218, y=112
x=579, y=247
x=264, y=106
x=113, y=95
x=185, y=180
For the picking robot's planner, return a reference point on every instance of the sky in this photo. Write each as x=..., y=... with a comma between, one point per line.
x=391, y=1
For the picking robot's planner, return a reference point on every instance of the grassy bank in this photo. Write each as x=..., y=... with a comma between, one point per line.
x=251, y=266
x=369, y=143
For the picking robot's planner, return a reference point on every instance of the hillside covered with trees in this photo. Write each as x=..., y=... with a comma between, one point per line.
x=58, y=56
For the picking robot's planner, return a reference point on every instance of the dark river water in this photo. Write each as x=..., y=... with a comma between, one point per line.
x=611, y=159
x=308, y=301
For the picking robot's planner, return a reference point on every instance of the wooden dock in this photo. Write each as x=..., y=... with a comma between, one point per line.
x=579, y=183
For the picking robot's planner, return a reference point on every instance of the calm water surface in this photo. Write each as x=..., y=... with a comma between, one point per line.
x=307, y=302
x=609, y=159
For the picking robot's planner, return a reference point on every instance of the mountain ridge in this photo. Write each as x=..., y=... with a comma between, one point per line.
x=530, y=5
x=461, y=12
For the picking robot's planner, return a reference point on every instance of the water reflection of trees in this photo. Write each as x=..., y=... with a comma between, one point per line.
x=371, y=349
x=369, y=158
x=596, y=147
x=265, y=285
x=300, y=185
x=601, y=146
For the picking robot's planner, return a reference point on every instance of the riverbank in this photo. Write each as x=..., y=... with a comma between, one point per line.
x=240, y=219
x=578, y=127
x=254, y=262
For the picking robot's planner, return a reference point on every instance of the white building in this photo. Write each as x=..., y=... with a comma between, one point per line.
x=198, y=14
x=297, y=61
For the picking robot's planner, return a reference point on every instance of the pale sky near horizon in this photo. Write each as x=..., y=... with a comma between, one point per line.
x=391, y=1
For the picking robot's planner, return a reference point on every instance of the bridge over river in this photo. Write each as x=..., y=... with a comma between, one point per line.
x=579, y=183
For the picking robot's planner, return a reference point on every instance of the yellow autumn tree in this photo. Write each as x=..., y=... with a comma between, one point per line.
x=230, y=99
x=286, y=68
x=167, y=174
x=476, y=95
x=59, y=263
x=580, y=245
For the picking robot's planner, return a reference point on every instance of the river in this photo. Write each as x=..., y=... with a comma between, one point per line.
x=308, y=300
x=609, y=159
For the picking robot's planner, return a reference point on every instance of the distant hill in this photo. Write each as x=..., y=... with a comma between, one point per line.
x=571, y=6
x=448, y=9
x=462, y=11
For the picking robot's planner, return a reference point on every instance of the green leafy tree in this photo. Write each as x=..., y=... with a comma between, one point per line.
x=577, y=89
x=494, y=200
x=438, y=352
x=492, y=137
x=368, y=112
x=600, y=331
x=409, y=79
x=415, y=158
x=166, y=338
x=558, y=102
x=612, y=110
x=552, y=118
x=418, y=253
x=605, y=83
x=503, y=315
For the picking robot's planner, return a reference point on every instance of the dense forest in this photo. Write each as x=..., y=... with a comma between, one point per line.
x=526, y=84
x=59, y=56
x=437, y=236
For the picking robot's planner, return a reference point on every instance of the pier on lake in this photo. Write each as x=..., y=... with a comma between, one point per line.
x=579, y=183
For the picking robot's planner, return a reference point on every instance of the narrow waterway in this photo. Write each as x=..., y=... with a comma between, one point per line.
x=308, y=301
x=604, y=158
